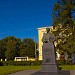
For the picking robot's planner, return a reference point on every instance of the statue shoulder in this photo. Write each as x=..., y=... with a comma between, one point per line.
x=44, y=34
x=52, y=34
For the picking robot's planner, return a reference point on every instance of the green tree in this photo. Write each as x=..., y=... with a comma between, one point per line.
x=64, y=13
x=27, y=47
x=64, y=25
x=2, y=50
x=12, y=47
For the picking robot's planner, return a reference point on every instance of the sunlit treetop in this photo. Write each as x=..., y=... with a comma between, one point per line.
x=64, y=12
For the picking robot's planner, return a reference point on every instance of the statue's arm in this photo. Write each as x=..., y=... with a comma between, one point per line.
x=52, y=37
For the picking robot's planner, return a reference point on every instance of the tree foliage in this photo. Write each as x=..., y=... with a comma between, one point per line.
x=11, y=47
x=27, y=48
x=64, y=12
x=64, y=25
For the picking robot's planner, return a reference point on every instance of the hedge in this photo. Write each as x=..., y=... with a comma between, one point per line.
x=1, y=63
x=63, y=62
x=21, y=63
x=29, y=63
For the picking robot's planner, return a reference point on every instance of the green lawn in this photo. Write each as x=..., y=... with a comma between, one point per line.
x=68, y=67
x=4, y=70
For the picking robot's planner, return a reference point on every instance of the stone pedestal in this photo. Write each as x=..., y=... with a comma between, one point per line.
x=54, y=73
x=49, y=66
x=48, y=63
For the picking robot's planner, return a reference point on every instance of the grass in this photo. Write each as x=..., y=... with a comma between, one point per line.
x=68, y=67
x=5, y=70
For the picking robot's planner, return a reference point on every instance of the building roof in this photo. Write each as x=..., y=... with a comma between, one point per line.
x=45, y=27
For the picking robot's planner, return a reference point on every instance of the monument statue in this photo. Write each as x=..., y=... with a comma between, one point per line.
x=49, y=66
x=48, y=37
x=48, y=53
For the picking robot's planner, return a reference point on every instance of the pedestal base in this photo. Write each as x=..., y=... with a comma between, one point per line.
x=52, y=73
x=49, y=68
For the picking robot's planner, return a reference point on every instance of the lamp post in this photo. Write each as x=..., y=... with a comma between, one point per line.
x=35, y=47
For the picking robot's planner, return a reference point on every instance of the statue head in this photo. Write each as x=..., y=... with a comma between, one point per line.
x=47, y=29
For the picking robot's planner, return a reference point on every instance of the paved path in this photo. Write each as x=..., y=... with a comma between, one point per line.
x=24, y=72
x=37, y=72
x=72, y=72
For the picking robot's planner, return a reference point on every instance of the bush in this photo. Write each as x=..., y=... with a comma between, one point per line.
x=22, y=63
x=61, y=62
x=1, y=63
x=36, y=62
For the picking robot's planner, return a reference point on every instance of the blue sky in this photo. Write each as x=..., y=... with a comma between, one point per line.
x=21, y=18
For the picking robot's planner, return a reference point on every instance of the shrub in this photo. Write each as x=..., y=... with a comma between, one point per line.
x=22, y=63
x=64, y=62
x=1, y=63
